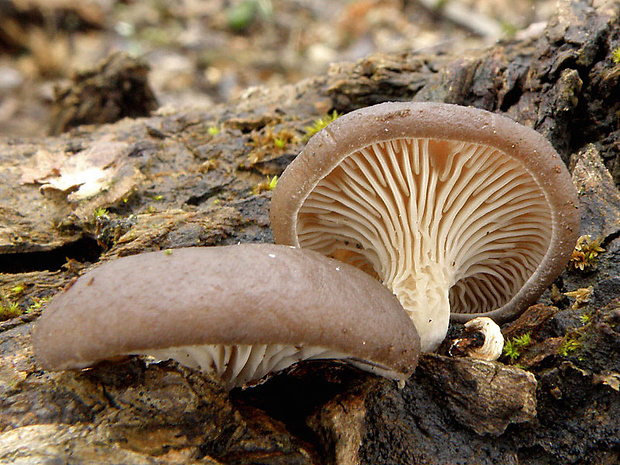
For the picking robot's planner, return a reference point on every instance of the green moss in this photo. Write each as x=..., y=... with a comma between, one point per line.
x=269, y=141
x=511, y=351
x=319, y=124
x=615, y=55
x=273, y=182
x=585, y=318
x=17, y=290
x=514, y=347
x=99, y=212
x=10, y=310
x=509, y=30
x=523, y=341
x=38, y=303
x=570, y=345
x=241, y=15
x=268, y=184
x=279, y=143
x=585, y=253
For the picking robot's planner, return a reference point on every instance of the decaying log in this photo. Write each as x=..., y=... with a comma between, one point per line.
x=198, y=177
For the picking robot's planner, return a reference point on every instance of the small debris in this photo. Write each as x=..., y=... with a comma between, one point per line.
x=483, y=340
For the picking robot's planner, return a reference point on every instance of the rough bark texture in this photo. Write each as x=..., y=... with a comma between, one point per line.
x=115, y=89
x=197, y=177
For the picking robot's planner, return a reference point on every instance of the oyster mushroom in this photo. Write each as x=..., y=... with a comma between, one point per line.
x=482, y=340
x=461, y=212
x=240, y=312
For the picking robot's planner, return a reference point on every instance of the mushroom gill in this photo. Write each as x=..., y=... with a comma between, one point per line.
x=243, y=364
x=444, y=224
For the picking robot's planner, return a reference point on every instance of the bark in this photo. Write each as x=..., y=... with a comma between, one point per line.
x=188, y=177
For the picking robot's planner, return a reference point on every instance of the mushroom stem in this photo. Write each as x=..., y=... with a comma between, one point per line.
x=425, y=297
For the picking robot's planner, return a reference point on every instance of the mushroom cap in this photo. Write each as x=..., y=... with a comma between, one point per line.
x=488, y=199
x=248, y=294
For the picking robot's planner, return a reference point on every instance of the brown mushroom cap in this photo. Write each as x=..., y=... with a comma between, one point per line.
x=241, y=303
x=451, y=207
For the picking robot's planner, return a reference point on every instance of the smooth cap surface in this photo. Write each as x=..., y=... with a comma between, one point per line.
x=242, y=294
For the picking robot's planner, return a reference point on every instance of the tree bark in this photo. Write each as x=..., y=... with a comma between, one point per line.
x=183, y=178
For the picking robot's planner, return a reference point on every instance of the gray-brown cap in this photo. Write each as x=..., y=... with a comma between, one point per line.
x=453, y=208
x=241, y=311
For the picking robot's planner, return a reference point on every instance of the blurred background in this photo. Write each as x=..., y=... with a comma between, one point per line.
x=203, y=52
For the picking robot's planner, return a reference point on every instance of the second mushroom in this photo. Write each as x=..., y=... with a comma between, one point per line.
x=239, y=312
x=455, y=209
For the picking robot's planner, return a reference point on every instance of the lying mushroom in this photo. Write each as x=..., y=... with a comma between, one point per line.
x=453, y=208
x=240, y=311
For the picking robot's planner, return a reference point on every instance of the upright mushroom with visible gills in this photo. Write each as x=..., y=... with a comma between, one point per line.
x=454, y=208
x=240, y=312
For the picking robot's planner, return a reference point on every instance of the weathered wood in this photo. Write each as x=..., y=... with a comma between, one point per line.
x=186, y=178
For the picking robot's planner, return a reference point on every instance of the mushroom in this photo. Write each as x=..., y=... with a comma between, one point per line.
x=482, y=340
x=453, y=208
x=239, y=311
